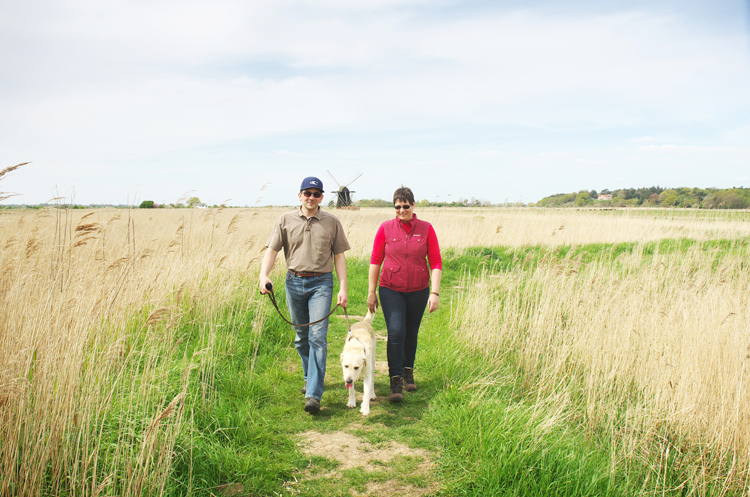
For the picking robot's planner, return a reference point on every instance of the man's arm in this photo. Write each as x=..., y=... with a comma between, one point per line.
x=340, y=261
x=269, y=258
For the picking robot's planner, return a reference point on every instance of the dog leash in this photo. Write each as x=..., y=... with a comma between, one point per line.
x=272, y=296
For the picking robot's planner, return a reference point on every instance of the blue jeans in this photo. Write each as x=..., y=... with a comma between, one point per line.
x=403, y=314
x=309, y=299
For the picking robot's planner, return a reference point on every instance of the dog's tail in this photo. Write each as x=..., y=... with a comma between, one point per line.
x=369, y=317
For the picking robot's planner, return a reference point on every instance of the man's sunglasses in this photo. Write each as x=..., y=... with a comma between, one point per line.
x=399, y=207
x=307, y=193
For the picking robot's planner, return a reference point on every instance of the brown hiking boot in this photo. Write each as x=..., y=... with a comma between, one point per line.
x=397, y=384
x=409, y=384
x=312, y=405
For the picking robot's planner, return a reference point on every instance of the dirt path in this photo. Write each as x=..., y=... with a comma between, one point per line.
x=366, y=457
x=356, y=453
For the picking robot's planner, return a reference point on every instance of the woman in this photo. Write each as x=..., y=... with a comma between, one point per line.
x=403, y=246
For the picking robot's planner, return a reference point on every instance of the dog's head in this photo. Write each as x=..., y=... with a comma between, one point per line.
x=352, y=363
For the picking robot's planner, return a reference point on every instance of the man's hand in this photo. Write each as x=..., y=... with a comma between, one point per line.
x=343, y=299
x=264, y=281
x=372, y=302
x=265, y=269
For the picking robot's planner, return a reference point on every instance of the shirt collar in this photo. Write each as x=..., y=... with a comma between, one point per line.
x=316, y=215
x=409, y=222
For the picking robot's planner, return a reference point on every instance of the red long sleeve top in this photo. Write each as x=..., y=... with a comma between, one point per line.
x=433, y=248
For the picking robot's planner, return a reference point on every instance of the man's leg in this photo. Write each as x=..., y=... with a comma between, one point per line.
x=320, y=290
x=296, y=301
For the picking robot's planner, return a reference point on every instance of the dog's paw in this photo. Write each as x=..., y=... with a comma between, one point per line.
x=351, y=404
x=365, y=411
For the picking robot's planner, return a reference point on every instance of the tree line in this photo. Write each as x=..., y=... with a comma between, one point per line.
x=654, y=196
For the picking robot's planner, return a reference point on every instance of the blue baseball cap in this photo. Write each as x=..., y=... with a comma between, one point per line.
x=311, y=182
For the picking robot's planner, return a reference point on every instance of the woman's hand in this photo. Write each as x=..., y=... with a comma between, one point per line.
x=372, y=301
x=433, y=302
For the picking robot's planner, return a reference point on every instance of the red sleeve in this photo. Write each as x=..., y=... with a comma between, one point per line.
x=433, y=250
x=378, y=247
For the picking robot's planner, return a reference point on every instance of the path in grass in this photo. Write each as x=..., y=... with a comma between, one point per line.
x=473, y=427
x=390, y=452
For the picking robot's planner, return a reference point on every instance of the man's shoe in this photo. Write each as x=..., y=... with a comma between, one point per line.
x=312, y=405
x=409, y=384
x=304, y=390
x=397, y=384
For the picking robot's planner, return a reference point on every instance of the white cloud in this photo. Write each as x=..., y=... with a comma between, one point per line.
x=96, y=90
x=282, y=153
x=486, y=153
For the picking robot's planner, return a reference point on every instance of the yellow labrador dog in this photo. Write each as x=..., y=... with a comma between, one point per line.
x=358, y=359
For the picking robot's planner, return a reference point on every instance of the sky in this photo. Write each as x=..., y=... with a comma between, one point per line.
x=237, y=101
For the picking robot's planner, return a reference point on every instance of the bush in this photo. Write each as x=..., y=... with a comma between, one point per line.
x=146, y=204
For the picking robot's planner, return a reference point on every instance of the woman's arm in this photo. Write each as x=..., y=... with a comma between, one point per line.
x=376, y=260
x=372, y=298
x=434, y=301
x=436, y=263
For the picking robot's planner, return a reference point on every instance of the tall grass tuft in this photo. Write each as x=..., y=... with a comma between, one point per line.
x=93, y=322
x=647, y=348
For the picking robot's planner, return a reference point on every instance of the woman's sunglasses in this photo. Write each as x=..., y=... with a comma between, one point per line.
x=399, y=207
x=307, y=193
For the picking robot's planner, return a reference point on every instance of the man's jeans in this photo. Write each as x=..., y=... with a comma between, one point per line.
x=309, y=299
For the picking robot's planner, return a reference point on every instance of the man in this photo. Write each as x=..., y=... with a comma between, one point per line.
x=313, y=241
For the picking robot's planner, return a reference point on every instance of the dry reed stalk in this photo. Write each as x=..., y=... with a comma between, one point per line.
x=3, y=172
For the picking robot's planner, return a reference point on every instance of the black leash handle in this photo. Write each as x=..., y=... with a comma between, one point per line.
x=272, y=296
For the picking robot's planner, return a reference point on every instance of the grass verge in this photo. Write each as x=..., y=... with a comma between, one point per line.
x=474, y=427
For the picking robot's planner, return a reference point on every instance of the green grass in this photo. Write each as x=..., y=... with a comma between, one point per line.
x=485, y=433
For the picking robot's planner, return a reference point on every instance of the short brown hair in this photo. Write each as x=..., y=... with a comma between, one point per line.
x=403, y=194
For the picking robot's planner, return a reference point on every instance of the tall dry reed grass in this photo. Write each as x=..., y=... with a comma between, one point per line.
x=91, y=301
x=655, y=347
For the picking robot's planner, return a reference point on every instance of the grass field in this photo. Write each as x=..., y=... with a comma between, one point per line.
x=574, y=353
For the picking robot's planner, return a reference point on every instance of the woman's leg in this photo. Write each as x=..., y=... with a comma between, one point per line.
x=416, y=302
x=393, y=304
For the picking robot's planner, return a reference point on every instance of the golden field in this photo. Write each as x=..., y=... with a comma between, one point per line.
x=653, y=339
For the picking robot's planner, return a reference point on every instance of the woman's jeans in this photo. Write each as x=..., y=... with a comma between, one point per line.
x=309, y=299
x=403, y=313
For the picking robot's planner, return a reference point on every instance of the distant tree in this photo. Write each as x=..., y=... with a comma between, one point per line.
x=593, y=194
x=192, y=201
x=423, y=203
x=731, y=200
x=669, y=198
x=146, y=204
x=373, y=202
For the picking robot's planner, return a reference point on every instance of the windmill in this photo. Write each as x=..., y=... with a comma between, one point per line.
x=343, y=194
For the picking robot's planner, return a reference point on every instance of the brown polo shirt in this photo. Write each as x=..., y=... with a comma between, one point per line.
x=309, y=244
